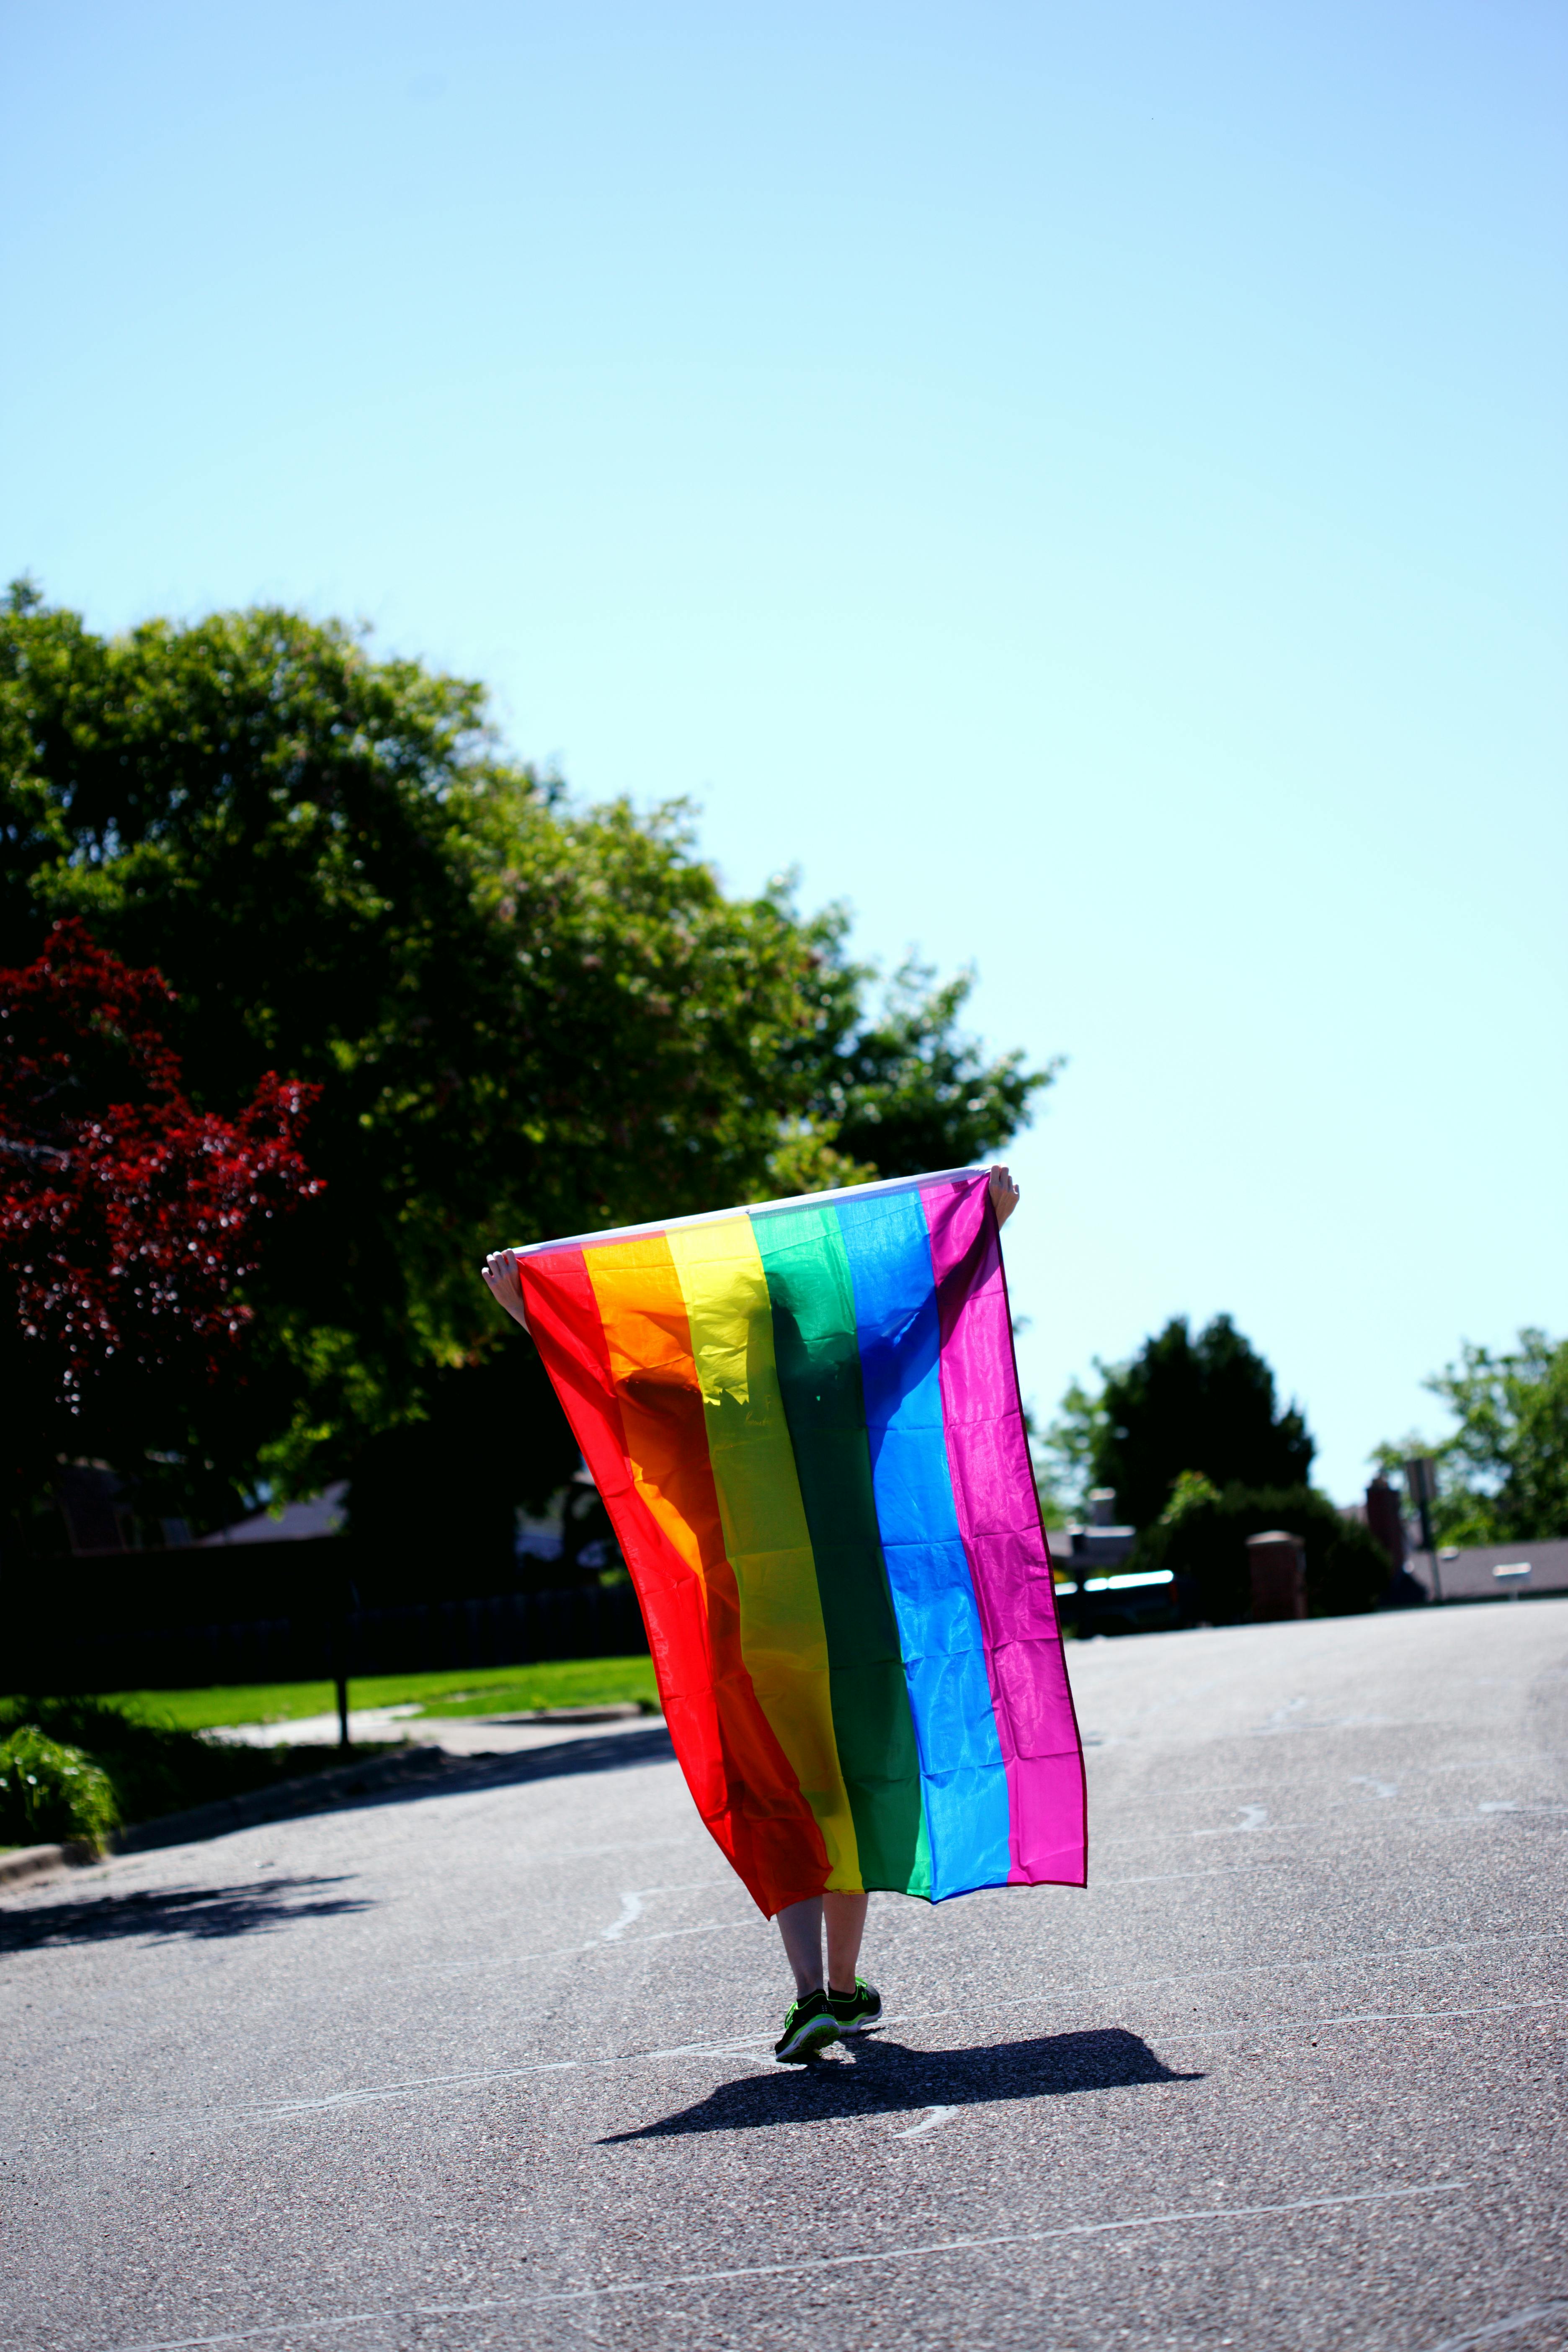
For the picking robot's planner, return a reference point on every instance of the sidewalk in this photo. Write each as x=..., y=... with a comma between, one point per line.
x=459, y=1734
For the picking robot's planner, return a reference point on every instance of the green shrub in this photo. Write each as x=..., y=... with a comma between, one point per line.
x=153, y=1769
x=50, y=1793
x=1202, y=1537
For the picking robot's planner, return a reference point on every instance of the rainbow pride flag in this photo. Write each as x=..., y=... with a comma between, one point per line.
x=803, y=1420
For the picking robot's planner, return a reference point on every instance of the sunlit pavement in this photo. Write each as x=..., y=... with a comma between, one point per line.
x=490, y=2066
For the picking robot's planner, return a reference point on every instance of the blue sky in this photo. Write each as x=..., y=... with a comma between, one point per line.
x=1084, y=485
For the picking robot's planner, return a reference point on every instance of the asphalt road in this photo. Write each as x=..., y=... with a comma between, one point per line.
x=491, y=2067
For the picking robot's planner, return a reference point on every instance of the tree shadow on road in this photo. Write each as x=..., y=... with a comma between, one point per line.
x=886, y=2077
x=610, y=1752
x=200, y=1912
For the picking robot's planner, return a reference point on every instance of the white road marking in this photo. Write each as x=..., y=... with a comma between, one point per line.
x=479, y=2074
x=1163, y=1877
x=815, y=2264
x=934, y=2115
x=1279, y=1719
x=1252, y=1817
x=515, y=1855
x=1328, y=1827
x=563, y=1951
x=1370, y=2017
x=738, y=2046
x=1298, y=1965
x=632, y=1904
x=631, y=1908
x=1493, y=2328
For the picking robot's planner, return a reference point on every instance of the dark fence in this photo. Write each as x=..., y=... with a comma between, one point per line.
x=307, y=1635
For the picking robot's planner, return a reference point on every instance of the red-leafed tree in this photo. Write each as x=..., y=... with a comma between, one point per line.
x=128, y=1217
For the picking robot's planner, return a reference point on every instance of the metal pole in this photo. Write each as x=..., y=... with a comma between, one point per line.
x=1429, y=1543
x=1421, y=1480
x=348, y=1603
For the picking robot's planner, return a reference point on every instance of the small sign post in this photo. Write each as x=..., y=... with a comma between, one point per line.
x=1421, y=1485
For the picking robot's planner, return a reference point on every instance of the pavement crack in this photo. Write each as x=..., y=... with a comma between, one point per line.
x=812, y=2264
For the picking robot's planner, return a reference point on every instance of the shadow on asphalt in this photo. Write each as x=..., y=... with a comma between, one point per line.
x=885, y=2077
x=609, y=1753
x=428, y=1772
x=465, y=1776
x=203, y=1912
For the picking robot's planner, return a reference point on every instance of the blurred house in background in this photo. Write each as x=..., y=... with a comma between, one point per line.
x=318, y=1515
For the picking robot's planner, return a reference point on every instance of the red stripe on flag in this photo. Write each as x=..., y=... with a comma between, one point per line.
x=738, y=1775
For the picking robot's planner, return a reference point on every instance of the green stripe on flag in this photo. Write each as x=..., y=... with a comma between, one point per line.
x=818, y=1362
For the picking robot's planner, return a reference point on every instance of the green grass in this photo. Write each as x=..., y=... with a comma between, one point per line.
x=493, y=1690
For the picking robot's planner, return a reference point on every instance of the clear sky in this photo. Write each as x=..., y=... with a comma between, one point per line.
x=1084, y=484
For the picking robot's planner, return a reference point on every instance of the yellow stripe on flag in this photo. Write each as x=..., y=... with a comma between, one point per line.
x=783, y=1639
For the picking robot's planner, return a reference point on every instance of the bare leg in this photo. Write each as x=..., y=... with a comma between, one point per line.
x=800, y=1924
x=846, y=1918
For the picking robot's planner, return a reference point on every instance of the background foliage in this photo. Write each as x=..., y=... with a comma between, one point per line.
x=127, y=1217
x=1504, y=1472
x=1204, y=1404
x=1205, y=1541
x=51, y=1792
x=524, y=1018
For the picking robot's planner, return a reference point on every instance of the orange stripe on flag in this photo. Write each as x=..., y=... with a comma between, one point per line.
x=646, y=1340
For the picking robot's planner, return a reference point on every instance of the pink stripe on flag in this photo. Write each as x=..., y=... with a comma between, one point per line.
x=999, y=1519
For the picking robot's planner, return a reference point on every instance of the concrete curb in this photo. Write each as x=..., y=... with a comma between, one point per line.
x=313, y=1792
x=32, y=1860
x=619, y=1710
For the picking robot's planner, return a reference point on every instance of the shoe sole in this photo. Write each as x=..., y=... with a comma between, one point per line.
x=859, y=2024
x=812, y=2036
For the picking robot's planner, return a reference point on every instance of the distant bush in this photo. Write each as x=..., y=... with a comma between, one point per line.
x=1202, y=1539
x=51, y=1794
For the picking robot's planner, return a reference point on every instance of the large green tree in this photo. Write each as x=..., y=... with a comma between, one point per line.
x=1205, y=1404
x=1503, y=1475
x=524, y=1016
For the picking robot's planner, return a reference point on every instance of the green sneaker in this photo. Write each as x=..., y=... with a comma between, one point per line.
x=853, y=2012
x=809, y=2027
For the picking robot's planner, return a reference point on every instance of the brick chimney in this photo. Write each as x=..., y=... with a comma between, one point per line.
x=1386, y=1520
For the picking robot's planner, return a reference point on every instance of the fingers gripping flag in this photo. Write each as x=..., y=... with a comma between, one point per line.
x=803, y=1420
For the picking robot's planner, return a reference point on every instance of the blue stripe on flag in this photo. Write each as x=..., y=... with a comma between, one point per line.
x=963, y=1780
